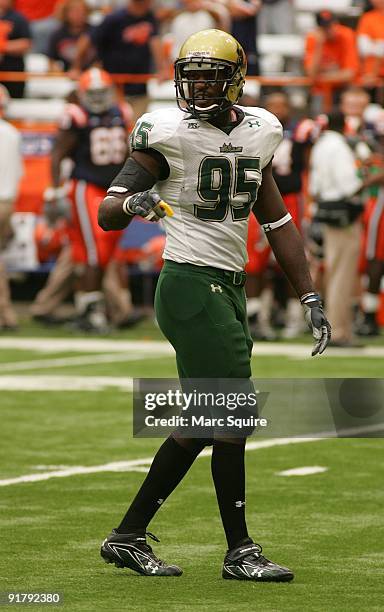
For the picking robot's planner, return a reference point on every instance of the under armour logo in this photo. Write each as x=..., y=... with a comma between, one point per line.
x=160, y=501
x=254, y=123
x=215, y=288
x=151, y=567
x=239, y=503
x=257, y=572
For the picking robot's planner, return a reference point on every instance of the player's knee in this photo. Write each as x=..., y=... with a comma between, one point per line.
x=192, y=445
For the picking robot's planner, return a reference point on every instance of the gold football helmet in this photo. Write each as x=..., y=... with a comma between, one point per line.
x=209, y=73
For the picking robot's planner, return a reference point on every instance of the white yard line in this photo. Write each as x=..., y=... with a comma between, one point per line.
x=159, y=347
x=142, y=464
x=42, y=364
x=57, y=345
x=64, y=383
x=303, y=471
x=127, y=466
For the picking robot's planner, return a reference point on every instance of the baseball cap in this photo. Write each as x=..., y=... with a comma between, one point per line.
x=325, y=18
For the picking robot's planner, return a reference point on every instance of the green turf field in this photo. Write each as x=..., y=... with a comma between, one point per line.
x=329, y=527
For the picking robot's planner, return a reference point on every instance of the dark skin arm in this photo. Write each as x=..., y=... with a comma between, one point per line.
x=286, y=242
x=64, y=145
x=111, y=215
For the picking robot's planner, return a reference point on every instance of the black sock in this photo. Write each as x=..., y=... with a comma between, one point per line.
x=169, y=466
x=228, y=474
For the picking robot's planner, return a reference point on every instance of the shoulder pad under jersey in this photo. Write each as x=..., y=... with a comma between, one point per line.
x=155, y=128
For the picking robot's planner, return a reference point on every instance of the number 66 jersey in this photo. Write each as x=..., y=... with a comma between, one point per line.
x=97, y=144
x=101, y=142
x=214, y=177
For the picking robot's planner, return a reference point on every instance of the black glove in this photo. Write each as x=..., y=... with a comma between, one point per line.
x=316, y=321
x=146, y=204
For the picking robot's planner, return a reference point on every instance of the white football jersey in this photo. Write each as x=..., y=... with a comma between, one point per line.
x=213, y=181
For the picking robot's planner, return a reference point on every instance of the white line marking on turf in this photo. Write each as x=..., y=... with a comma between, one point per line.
x=64, y=383
x=42, y=364
x=303, y=471
x=73, y=345
x=159, y=347
x=115, y=466
x=50, y=467
x=127, y=466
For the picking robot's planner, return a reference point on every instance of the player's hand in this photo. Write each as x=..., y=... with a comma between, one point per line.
x=146, y=204
x=56, y=204
x=316, y=321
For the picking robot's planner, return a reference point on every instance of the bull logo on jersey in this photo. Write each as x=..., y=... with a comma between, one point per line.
x=229, y=148
x=193, y=125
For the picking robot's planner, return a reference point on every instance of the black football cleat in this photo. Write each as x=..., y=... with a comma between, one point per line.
x=131, y=550
x=247, y=563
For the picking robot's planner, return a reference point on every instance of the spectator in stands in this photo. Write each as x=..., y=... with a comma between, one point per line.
x=244, y=29
x=196, y=15
x=331, y=184
x=127, y=42
x=62, y=47
x=15, y=41
x=370, y=39
x=277, y=17
x=10, y=174
x=40, y=14
x=330, y=59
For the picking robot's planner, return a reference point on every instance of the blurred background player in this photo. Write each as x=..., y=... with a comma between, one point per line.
x=10, y=174
x=373, y=242
x=288, y=165
x=93, y=134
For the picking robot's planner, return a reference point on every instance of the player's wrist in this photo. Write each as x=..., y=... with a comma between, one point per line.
x=312, y=298
x=126, y=206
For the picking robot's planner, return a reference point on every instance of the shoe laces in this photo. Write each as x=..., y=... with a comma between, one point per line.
x=256, y=554
x=149, y=550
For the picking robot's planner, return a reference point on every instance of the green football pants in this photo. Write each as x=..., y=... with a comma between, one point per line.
x=203, y=315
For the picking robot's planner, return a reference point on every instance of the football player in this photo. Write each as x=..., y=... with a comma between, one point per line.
x=11, y=170
x=94, y=135
x=373, y=243
x=288, y=165
x=210, y=159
